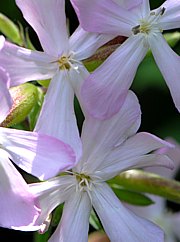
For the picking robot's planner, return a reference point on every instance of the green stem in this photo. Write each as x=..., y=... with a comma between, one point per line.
x=140, y=181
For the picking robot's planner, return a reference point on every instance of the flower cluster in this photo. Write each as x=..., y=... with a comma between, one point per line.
x=72, y=165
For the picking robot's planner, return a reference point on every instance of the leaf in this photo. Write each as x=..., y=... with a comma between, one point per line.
x=10, y=30
x=131, y=197
x=94, y=221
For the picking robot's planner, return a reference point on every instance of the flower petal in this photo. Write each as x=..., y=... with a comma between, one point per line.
x=104, y=91
x=18, y=207
x=171, y=17
x=57, y=117
x=128, y=4
x=74, y=223
x=173, y=154
x=47, y=17
x=120, y=222
x=26, y=65
x=76, y=78
x=5, y=97
x=50, y=194
x=84, y=44
x=2, y=41
x=104, y=16
x=41, y=155
x=134, y=153
x=100, y=137
x=169, y=64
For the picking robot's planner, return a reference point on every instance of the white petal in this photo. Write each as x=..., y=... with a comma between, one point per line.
x=5, y=97
x=52, y=193
x=84, y=44
x=169, y=64
x=104, y=91
x=128, y=4
x=26, y=65
x=2, y=41
x=76, y=78
x=144, y=8
x=133, y=153
x=100, y=137
x=74, y=223
x=47, y=17
x=173, y=154
x=18, y=207
x=57, y=117
x=41, y=155
x=120, y=223
x=171, y=17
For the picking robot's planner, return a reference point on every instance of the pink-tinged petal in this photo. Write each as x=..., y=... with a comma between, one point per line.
x=84, y=44
x=18, y=207
x=128, y=4
x=104, y=16
x=5, y=97
x=99, y=138
x=74, y=223
x=169, y=64
x=171, y=17
x=26, y=65
x=57, y=117
x=134, y=153
x=104, y=91
x=41, y=155
x=137, y=162
x=50, y=194
x=120, y=222
x=173, y=154
x=47, y=17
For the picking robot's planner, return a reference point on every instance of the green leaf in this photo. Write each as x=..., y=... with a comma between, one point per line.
x=148, y=75
x=41, y=237
x=10, y=30
x=44, y=83
x=131, y=197
x=141, y=181
x=94, y=221
x=24, y=98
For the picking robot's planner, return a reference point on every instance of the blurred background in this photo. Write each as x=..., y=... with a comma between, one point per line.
x=159, y=115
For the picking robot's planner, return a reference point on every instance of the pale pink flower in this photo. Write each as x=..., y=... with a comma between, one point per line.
x=19, y=209
x=40, y=155
x=109, y=147
x=104, y=91
x=60, y=60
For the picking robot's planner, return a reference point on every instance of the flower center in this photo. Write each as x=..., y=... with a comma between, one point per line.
x=66, y=62
x=149, y=24
x=84, y=182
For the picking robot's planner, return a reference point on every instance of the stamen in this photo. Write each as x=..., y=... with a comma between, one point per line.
x=45, y=225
